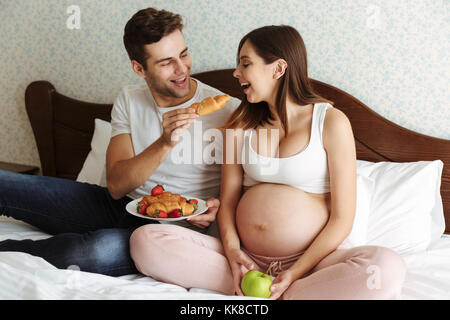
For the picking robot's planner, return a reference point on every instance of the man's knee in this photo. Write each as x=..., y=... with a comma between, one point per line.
x=103, y=251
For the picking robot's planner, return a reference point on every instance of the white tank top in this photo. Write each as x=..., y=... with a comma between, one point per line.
x=306, y=170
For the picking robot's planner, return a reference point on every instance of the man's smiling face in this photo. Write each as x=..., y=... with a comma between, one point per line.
x=168, y=68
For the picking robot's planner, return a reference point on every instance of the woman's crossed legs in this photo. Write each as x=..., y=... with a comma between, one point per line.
x=190, y=259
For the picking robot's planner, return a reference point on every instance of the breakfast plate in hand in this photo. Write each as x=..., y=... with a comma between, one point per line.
x=166, y=206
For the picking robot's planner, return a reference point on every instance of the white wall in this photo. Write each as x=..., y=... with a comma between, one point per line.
x=391, y=55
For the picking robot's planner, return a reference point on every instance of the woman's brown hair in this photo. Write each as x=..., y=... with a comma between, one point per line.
x=272, y=43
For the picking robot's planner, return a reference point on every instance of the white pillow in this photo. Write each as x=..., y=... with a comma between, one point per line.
x=406, y=212
x=364, y=191
x=94, y=167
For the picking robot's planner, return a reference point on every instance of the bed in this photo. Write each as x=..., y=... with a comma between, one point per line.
x=396, y=160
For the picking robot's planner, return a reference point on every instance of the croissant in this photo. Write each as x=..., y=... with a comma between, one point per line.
x=172, y=205
x=150, y=199
x=155, y=206
x=187, y=208
x=167, y=202
x=210, y=104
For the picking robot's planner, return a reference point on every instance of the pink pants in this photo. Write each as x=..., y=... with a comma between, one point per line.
x=177, y=255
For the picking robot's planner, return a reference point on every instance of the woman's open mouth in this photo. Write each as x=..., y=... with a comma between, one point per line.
x=245, y=86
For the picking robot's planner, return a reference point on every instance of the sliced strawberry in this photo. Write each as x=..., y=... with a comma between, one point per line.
x=157, y=190
x=193, y=201
x=176, y=213
x=162, y=214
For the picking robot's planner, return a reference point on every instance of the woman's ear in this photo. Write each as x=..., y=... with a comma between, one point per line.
x=280, y=68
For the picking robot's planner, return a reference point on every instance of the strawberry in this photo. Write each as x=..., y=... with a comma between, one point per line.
x=194, y=202
x=162, y=214
x=141, y=207
x=157, y=190
x=155, y=214
x=159, y=214
x=175, y=213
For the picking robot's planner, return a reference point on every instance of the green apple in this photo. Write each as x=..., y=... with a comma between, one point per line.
x=256, y=284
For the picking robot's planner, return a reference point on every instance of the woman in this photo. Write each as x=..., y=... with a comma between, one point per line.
x=288, y=193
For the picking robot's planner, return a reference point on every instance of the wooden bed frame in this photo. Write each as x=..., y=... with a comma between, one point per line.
x=63, y=129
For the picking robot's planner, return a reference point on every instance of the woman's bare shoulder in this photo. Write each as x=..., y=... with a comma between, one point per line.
x=336, y=127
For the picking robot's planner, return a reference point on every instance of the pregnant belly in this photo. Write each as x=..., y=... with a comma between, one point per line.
x=278, y=220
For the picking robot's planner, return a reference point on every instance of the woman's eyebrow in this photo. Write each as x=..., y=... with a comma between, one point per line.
x=242, y=58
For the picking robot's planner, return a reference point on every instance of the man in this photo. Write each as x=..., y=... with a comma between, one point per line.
x=89, y=224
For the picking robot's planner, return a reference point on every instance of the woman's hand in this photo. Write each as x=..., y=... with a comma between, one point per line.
x=280, y=284
x=240, y=264
x=205, y=219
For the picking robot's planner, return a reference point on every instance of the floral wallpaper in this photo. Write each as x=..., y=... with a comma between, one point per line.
x=391, y=55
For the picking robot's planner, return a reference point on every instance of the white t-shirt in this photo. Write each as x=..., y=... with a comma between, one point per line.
x=187, y=169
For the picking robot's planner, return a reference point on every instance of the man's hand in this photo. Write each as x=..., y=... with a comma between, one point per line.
x=174, y=122
x=204, y=220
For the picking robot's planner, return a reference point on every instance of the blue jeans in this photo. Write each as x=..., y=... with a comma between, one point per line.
x=90, y=229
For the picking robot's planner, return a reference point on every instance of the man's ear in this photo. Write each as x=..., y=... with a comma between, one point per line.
x=138, y=68
x=280, y=68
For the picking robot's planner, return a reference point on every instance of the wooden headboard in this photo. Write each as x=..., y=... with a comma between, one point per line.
x=63, y=129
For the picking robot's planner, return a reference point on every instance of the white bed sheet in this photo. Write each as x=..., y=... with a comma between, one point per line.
x=23, y=276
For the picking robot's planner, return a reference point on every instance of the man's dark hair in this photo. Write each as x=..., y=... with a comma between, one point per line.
x=145, y=27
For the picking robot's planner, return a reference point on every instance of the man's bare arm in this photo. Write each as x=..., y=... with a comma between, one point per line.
x=126, y=171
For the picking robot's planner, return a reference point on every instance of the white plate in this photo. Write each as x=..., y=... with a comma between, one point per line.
x=201, y=208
